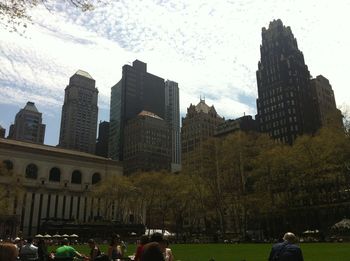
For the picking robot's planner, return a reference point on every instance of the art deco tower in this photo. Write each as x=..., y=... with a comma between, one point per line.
x=79, y=114
x=285, y=105
x=28, y=125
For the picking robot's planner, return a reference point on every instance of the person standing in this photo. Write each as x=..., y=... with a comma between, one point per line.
x=287, y=250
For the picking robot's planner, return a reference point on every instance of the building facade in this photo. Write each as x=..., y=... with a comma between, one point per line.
x=137, y=91
x=2, y=132
x=79, y=114
x=172, y=116
x=103, y=139
x=148, y=140
x=28, y=125
x=285, y=105
x=325, y=102
x=199, y=124
x=52, y=183
x=245, y=123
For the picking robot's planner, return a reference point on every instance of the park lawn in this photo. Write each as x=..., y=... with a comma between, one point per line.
x=246, y=252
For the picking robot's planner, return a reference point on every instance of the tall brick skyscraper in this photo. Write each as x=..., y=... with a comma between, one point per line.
x=285, y=105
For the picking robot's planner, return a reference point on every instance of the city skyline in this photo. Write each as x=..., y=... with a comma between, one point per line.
x=193, y=52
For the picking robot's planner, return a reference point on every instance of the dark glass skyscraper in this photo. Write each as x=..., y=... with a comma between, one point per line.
x=103, y=139
x=137, y=91
x=285, y=105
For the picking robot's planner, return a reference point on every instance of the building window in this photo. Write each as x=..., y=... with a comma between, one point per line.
x=8, y=165
x=96, y=178
x=55, y=175
x=32, y=171
x=76, y=177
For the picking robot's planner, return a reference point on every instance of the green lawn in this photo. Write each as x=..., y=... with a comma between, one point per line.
x=247, y=252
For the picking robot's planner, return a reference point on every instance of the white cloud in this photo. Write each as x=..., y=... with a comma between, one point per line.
x=210, y=48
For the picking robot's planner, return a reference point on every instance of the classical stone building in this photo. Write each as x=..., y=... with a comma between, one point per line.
x=199, y=124
x=285, y=105
x=148, y=144
x=79, y=114
x=28, y=125
x=53, y=183
x=172, y=116
x=325, y=102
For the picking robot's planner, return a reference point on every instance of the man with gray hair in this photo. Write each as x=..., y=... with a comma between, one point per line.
x=287, y=250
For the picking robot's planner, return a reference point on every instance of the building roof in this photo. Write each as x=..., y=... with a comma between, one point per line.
x=30, y=106
x=149, y=114
x=202, y=107
x=83, y=73
x=51, y=150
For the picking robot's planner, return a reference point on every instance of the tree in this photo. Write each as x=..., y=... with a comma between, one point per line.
x=119, y=194
x=15, y=13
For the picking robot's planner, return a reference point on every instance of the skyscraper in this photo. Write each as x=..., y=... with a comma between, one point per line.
x=2, y=132
x=137, y=91
x=103, y=139
x=199, y=124
x=28, y=125
x=325, y=102
x=285, y=105
x=79, y=114
x=172, y=116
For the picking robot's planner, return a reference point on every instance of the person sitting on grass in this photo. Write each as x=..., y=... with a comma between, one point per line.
x=143, y=241
x=287, y=250
x=66, y=252
x=115, y=249
x=8, y=252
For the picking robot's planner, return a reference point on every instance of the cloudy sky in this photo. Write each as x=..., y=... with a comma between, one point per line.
x=211, y=48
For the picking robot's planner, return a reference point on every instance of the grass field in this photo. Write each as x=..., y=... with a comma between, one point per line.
x=246, y=252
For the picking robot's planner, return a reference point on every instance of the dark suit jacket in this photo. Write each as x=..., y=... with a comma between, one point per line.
x=286, y=252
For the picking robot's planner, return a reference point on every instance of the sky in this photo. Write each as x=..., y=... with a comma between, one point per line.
x=211, y=48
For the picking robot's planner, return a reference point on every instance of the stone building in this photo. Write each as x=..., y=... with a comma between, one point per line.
x=199, y=124
x=28, y=125
x=53, y=183
x=285, y=105
x=172, y=116
x=245, y=123
x=148, y=144
x=79, y=114
x=325, y=102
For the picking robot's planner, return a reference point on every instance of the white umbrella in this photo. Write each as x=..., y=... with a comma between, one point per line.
x=65, y=235
x=47, y=236
x=38, y=236
x=57, y=235
x=74, y=235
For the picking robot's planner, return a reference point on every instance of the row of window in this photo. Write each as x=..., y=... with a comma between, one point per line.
x=31, y=172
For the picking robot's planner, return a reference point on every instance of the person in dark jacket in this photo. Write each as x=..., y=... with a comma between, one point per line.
x=287, y=250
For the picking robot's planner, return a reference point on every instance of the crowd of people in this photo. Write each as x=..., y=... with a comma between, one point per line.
x=152, y=248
